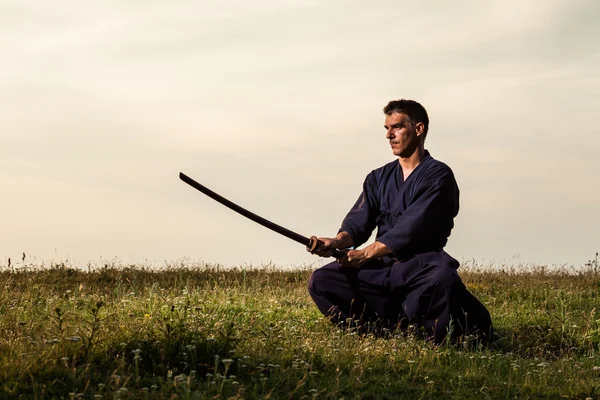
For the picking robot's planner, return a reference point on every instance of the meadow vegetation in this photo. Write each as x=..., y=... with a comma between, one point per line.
x=202, y=332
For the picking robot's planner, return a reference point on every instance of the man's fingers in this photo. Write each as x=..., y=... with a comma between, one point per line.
x=351, y=260
x=343, y=261
x=313, y=244
x=320, y=246
x=322, y=252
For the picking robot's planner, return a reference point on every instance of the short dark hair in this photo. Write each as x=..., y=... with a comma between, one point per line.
x=415, y=111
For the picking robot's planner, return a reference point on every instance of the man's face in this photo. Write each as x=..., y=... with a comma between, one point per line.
x=402, y=134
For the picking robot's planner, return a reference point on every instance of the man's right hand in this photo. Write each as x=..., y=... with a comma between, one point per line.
x=324, y=246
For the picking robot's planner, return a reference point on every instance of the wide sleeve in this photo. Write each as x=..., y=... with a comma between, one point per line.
x=427, y=221
x=361, y=219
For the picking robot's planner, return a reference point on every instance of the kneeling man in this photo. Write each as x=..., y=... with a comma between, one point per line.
x=405, y=277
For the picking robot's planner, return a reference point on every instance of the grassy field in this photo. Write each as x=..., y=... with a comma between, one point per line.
x=204, y=333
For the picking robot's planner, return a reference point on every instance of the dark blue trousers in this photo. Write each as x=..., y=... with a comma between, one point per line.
x=424, y=291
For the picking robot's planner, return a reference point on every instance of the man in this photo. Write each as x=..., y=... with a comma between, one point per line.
x=403, y=278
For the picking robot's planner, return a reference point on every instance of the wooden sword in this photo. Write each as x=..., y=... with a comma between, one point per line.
x=310, y=243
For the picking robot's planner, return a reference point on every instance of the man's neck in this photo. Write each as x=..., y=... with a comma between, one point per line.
x=408, y=164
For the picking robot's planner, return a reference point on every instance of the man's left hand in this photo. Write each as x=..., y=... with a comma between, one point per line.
x=354, y=259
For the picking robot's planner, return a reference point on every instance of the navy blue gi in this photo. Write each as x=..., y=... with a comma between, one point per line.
x=417, y=284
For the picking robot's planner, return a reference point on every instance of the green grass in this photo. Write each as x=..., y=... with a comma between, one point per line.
x=203, y=333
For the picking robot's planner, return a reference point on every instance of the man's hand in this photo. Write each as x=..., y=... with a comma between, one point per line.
x=354, y=259
x=358, y=258
x=325, y=246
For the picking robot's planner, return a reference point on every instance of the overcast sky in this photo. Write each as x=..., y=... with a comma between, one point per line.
x=277, y=106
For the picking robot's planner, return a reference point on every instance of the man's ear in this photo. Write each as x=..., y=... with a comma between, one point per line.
x=419, y=128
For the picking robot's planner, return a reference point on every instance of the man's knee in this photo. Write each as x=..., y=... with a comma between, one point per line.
x=444, y=276
x=315, y=277
x=321, y=277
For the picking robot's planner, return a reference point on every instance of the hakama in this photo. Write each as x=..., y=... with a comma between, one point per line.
x=418, y=283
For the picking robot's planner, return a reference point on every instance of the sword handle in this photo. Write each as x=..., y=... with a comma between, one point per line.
x=339, y=253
